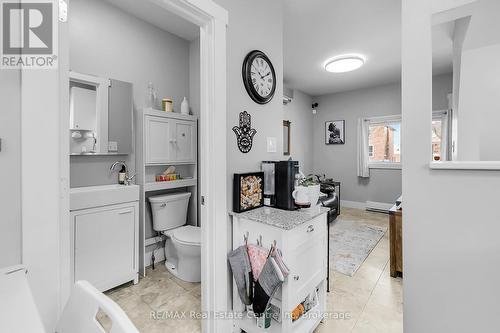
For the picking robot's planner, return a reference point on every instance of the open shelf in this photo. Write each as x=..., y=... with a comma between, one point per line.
x=169, y=163
x=248, y=324
x=306, y=323
x=157, y=186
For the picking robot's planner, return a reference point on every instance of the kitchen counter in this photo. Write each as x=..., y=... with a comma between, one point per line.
x=283, y=219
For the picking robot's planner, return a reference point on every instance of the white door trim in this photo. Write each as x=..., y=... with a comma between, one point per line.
x=212, y=20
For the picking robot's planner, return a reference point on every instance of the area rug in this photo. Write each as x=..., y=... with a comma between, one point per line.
x=351, y=243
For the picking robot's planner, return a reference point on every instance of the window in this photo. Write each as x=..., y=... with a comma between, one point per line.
x=384, y=142
x=440, y=135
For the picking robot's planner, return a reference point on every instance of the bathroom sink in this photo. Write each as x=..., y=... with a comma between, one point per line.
x=103, y=195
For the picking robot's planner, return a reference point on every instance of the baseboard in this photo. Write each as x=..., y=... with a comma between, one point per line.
x=352, y=204
x=378, y=206
x=368, y=205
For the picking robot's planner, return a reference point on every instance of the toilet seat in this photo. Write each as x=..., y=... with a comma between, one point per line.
x=188, y=235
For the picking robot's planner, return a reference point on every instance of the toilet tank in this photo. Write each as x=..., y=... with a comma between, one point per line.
x=169, y=211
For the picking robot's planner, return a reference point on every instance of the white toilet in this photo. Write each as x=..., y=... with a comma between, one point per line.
x=183, y=246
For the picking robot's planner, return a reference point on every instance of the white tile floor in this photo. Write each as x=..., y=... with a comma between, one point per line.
x=370, y=301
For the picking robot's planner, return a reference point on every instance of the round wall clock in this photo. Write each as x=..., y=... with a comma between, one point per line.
x=259, y=77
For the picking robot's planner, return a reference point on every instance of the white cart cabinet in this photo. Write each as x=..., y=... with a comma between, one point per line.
x=302, y=237
x=105, y=245
x=169, y=140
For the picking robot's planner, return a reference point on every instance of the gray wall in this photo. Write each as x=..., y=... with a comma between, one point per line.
x=442, y=85
x=299, y=112
x=108, y=42
x=340, y=161
x=10, y=168
x=243, y=36
x=194, y=77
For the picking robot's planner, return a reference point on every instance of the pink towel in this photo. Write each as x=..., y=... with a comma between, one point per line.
x=258, y=256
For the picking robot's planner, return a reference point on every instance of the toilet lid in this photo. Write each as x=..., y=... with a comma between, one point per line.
x=188, y=234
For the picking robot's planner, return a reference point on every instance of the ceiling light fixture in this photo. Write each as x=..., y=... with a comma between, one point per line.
x=344, y=63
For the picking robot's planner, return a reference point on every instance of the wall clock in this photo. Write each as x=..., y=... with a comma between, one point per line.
x=259, y=77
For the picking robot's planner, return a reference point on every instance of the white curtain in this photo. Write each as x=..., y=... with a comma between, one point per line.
x=363, y=128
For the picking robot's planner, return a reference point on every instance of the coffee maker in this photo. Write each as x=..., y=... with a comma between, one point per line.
x=286, y=173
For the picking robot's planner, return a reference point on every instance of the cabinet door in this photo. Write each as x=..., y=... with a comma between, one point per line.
x=308, y=258
x=184, y=144
x=104, y=246
x=158, y=140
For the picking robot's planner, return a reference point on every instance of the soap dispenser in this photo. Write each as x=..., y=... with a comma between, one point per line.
x=185, y=106
x=122, y=175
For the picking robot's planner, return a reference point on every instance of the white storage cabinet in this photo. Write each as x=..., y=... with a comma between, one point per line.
x=169, y=140
x=105, y=245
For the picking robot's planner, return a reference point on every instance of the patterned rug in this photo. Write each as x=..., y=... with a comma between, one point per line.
x=351, y=243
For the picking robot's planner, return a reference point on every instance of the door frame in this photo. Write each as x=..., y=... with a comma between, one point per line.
x=212, y=20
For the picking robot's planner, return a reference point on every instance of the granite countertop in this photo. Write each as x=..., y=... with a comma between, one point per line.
x=284, y=219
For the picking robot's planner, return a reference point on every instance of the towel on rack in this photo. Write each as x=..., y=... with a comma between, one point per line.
x=278, y=257
x=269, y=280
x=258, y=256
x=242, y=273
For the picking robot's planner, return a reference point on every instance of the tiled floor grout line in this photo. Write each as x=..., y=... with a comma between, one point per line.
x=369, y=297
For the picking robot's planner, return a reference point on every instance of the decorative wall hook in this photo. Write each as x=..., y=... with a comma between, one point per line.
x=244, y=132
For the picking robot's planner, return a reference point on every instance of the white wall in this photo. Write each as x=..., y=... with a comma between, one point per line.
x=450, y=233
x=109, y=42
x=10, y=167
x=479, y=105
x=299, y=113
x=340, y=161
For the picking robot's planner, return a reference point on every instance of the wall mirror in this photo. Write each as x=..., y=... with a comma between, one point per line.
x=466, y=44
x=100, y=115
x=286, y=137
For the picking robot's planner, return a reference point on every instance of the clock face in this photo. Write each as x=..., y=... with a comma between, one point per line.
x=262, y=78
x=259, y=77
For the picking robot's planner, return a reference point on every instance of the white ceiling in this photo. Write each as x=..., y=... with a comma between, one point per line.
x=316, y=30
x=157, y=16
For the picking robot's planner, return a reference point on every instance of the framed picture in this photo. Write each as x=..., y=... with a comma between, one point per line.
x=335, y=132
x=248, y=191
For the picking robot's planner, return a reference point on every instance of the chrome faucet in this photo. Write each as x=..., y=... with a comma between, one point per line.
x=128, y=180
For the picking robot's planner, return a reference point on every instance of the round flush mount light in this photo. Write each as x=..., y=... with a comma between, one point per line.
x=344, y=63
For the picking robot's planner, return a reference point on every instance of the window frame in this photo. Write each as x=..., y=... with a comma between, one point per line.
x=382, y=120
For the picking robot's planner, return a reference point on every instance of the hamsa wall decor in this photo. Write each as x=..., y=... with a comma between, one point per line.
x=244, y=132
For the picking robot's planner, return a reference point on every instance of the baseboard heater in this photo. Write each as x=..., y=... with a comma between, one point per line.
x=380, y=207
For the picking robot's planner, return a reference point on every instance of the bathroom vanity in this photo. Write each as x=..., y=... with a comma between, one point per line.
x=302, y=237
x=104, y=229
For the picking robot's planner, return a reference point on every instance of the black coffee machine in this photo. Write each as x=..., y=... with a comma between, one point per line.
x=285, y=178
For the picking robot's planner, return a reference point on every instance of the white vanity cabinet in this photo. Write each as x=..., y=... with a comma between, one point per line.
x=105, y=235
x=169, y=138
x=302, y=238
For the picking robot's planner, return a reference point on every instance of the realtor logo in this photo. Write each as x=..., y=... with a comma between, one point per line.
x=29, y=38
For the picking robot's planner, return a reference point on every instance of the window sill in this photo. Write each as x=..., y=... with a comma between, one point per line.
x=465, y=165
x=382, y=165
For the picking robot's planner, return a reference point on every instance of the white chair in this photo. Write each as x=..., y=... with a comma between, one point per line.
x=18, y=312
